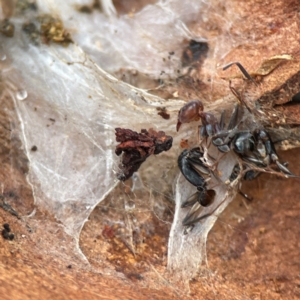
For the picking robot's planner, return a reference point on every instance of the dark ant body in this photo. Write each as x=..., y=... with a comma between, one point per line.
x=254, y=147
x=193, y=169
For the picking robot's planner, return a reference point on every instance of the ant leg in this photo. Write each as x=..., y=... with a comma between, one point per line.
x=190, y=201
x=222, y=123
x=242, y=69
x=239, y=97
x=285, y=170
x=202, y=135
x=270, y=149
x=230, y=136
x=233, y=118
x=190, y=221
x=191, y=218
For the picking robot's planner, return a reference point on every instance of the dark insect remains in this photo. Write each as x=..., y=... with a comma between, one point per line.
x=249, y=142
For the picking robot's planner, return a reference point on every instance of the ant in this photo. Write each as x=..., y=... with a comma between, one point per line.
x=253, y=147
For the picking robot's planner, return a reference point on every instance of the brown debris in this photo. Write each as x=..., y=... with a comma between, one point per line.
x=184, y=144
x=108, y=232
x=52, y=30
x=163, y=113
x=137, y=147
x=7, y=28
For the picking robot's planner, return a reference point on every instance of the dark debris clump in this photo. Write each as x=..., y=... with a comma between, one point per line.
x=137, y=147
x=195, y=52
x=163, y=113
x=47, y=29
x=32, y=31
x=52, y=30
x=6, y=232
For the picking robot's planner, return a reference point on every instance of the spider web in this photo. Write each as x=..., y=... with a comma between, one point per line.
x=68, y=108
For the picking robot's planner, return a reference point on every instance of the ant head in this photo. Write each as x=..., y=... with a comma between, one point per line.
x=190, y=112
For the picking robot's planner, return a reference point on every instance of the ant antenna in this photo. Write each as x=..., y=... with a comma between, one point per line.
x=239, y=97
x=242, y=69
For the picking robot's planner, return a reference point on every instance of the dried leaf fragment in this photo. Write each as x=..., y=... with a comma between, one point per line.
x=270, y=64
x=137, y=147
